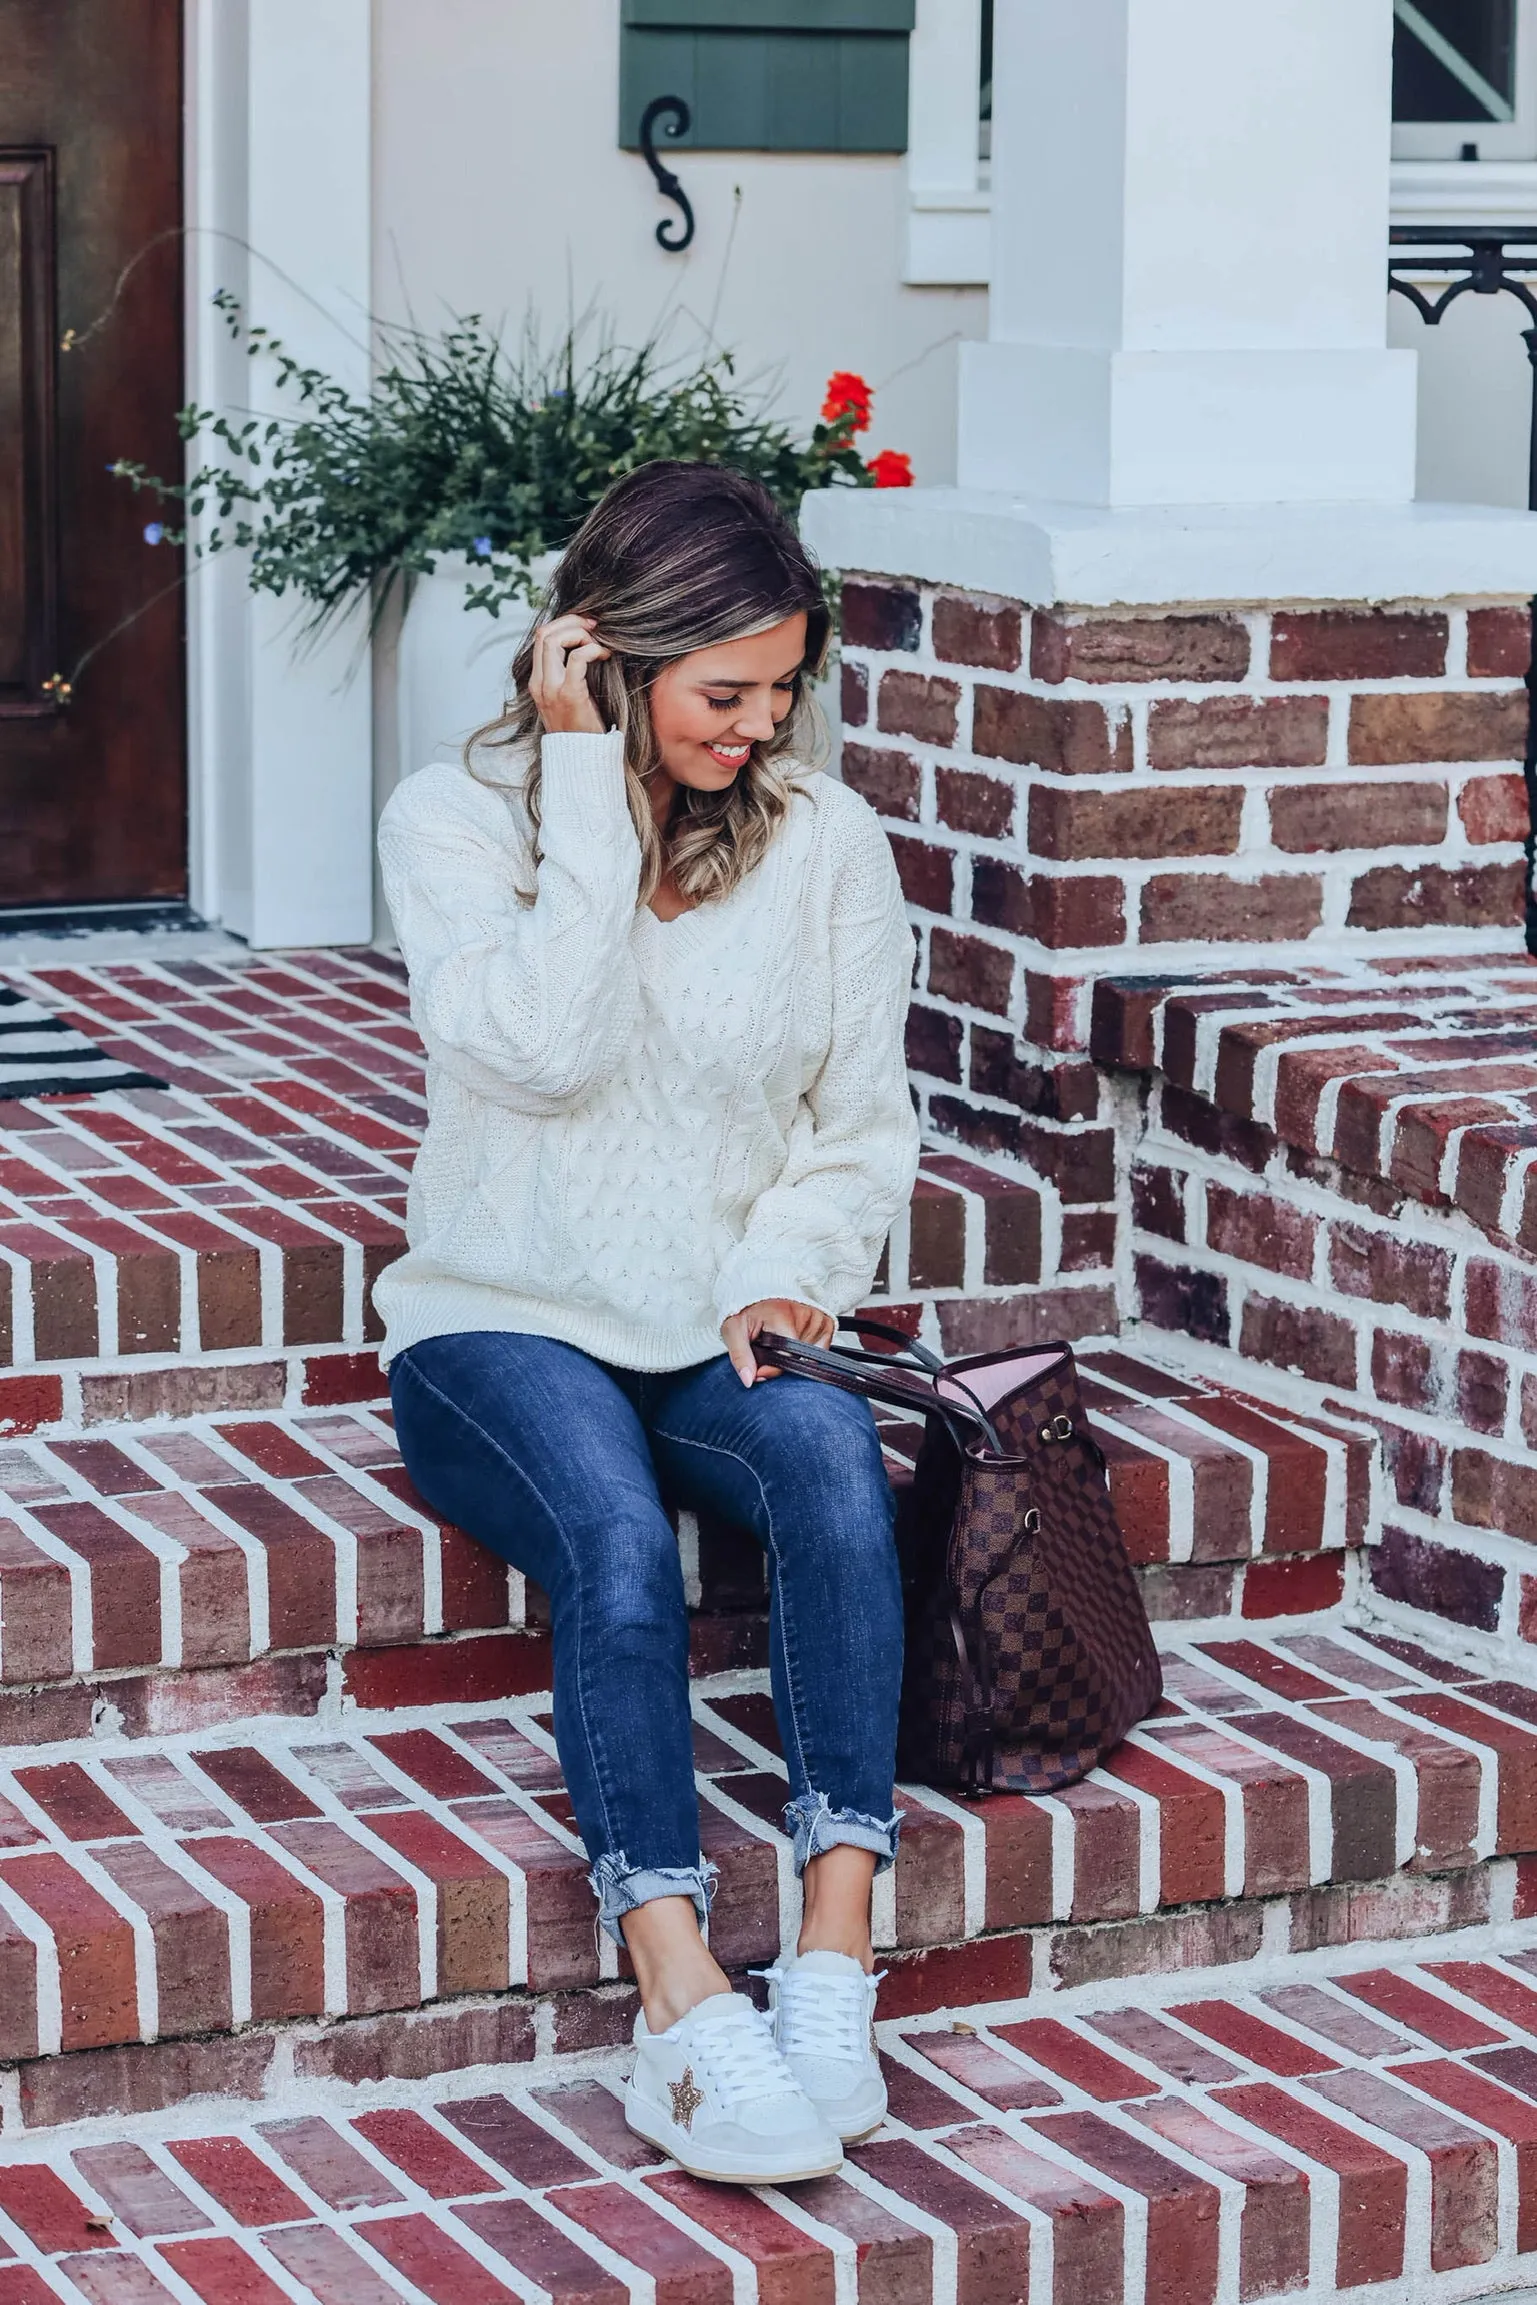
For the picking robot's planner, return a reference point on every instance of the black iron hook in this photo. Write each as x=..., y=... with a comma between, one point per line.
x=668, y=234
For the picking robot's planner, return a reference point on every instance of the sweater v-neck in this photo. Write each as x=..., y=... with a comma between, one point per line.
x=654, y=925
x=693, y=912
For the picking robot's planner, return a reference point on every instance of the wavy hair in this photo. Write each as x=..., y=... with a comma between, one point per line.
x=674, y=558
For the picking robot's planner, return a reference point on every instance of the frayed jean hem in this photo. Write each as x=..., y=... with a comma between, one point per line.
x=620, y=1886
x=814, y=1825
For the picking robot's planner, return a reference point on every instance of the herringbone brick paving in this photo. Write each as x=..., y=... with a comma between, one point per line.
x=1353, y=2129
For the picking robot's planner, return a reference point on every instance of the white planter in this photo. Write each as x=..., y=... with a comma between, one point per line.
x=453, y=662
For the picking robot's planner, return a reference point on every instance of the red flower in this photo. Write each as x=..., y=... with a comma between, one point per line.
x=891, y=469
x=845, y=392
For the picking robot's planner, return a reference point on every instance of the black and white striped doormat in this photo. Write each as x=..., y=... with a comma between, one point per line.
x=41, y=1055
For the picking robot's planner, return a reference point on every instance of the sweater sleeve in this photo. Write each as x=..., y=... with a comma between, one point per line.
x=529, y=1005
x=816, y=1234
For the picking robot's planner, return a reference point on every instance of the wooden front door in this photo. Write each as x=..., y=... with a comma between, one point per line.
x=93, y=784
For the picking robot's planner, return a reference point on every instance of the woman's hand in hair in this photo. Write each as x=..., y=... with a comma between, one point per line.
x=557, y=680
x=786, y=1318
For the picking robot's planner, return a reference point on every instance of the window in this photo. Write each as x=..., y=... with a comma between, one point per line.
x=1464, y=80
x=770, y=75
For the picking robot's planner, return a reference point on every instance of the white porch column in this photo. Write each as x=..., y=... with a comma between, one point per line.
x=1158, y=689
x=281, y=737
x=947, y=214
x=1190, y=206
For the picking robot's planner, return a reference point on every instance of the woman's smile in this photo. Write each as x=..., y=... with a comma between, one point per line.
x=728, y=755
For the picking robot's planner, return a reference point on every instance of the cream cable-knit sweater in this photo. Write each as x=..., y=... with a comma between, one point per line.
x=637, y=1127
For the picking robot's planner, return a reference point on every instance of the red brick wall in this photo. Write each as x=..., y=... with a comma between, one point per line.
x=1069, y=795
x=1065, y=790
x=1384, y=1308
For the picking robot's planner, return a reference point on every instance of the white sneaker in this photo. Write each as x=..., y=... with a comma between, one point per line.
x=714, y=2092
x=823, y=2008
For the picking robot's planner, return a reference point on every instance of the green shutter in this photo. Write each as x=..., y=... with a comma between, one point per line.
x=773, y=15
x=770, y=75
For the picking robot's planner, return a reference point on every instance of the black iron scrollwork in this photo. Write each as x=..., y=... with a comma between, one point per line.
x=1476, y=262
x=669, y=234
x=1484, y=261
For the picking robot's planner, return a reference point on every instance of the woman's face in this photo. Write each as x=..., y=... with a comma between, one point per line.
x=709, y=709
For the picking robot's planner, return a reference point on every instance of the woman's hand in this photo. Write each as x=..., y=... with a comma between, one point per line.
x=557, y=680
x=786, y=1318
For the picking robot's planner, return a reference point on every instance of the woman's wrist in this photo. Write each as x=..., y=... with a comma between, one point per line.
x=783, y=1316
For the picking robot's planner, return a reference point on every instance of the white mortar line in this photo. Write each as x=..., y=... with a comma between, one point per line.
x=83, y=1862
x=1234, y=1849
x=50, y=1995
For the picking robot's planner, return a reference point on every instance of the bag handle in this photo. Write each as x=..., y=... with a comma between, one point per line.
x=879, y=1378
x=914, y=1351
x=911, y=1349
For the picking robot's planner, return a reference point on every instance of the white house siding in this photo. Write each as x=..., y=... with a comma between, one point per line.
x=499, y=184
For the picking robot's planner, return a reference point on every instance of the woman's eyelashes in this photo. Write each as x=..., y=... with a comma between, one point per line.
x=733, y=703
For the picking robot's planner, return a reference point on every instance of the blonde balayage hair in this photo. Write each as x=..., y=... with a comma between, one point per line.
x=677, y=557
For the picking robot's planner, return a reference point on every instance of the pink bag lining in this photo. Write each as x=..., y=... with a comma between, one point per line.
x=990, y=1385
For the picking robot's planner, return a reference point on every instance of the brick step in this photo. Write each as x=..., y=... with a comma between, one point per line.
x=1230, y=1505
x=1449, y=1536
x=1417, y=1077
x=1334, y=1201
x=76, y=1397
x=1325, y=2128
x=1313, y=1788
x=220, y=1565
x=1206, y=1477
x=1448, y=1552
x=239, y=1216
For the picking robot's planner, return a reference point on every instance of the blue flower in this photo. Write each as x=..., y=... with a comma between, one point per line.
x=483, y=547
x=154, y=532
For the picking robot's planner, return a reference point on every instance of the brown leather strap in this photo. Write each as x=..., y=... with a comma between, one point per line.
x=879, y=1378
x=978, y=1738
x=857, y=1325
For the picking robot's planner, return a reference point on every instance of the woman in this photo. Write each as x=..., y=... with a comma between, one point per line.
x=661, y=970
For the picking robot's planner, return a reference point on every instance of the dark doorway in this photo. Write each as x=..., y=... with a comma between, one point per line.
x=93, y=784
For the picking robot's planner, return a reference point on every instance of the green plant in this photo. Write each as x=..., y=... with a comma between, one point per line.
x=463, y=446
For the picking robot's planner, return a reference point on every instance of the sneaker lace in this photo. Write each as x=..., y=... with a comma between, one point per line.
x=823, y=2016
x=741, y=2059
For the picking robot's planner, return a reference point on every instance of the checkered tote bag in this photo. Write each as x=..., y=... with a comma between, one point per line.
x=1028, y=1649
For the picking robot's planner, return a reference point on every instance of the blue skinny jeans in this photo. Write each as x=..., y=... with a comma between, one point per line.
x=560, y=1463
